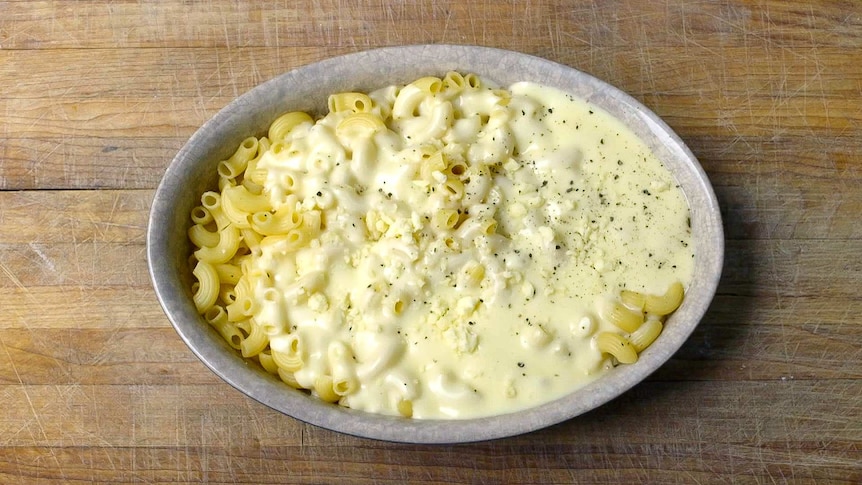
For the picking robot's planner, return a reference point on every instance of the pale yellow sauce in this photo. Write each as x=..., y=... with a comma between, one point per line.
x=583, y=210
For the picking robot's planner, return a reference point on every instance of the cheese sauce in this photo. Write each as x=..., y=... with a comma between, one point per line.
x=500, y=313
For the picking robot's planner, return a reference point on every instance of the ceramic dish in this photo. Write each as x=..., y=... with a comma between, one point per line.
x=194, y=171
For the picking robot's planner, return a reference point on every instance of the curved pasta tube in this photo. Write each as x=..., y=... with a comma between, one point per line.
x=633, y=299
x=294, y=240
x=288, y=378
x=476, y=189
x=223, y=251
x=237, y=217
x=447, y=385
x=407, y=102
x=453, y=83
x=237, y=163
x=409, y=98
x=425, y=151
x=472, y=274
x=231, y=333
x=272, y=328
x=249, y=182
x=226, y=182
x=617, y=346
x=465, y=130
x=442, y=116
x=488, y=227
x=473, y=227
x=495, y=145
x=228, y=273
x=453, y=188
x=256, y=175
x=621, y=316
x=201, y=215
x=535, y=337
x=282, y=126
x=472, y=80
x=324, y=199
x=200, y=236
x=323, y=387
x=240, y=199
x=227, y=295
x=432, y=164
x=667, y=303
x=211, y=201
x=307, y=284
x=432, y=126
x=288, y=181
x=243, y=287
x=359, y=125
x=487, y=104
x=255, y=342
x=655, y=304
x=350, y=101
x=287, y=352
x=646, y=334
x=252, y=187
x=344, y=380
x=312, y=221
x=284, y=150
x=376, y=353
x=208, y=286
x=241, y=309
x=267, y=362
x=263, y=144
x=445, y=219
x=504, y=97
x=216, y=315
x=456, y=168
x=217, y=318
x=281, y=221
x=251, y=239
x=363, y=159
x=243, y=304
x=428, y=84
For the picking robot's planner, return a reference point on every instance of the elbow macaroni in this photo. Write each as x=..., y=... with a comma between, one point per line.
x=441, y=249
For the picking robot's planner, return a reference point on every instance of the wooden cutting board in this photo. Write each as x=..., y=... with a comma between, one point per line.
x=96, y=97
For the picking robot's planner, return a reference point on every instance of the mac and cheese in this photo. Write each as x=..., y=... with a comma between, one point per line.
x=442, y=249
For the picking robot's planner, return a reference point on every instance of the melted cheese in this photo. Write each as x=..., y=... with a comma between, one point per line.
x=474, y=321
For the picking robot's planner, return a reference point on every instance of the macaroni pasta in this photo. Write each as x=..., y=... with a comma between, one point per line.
x=442, y=249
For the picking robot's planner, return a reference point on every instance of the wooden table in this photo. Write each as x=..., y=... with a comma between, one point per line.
x=96, y=97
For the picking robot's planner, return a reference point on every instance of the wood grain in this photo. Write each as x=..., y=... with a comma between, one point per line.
x=96, y=97
x=537, y=24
